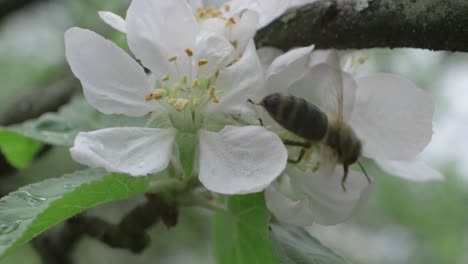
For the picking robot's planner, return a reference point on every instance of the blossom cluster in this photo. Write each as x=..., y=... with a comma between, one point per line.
x=197, y=67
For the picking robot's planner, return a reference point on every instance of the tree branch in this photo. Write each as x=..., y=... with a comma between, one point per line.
x=9, y=6
x=343, y=24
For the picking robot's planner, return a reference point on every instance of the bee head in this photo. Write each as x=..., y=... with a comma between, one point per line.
x=271, y=103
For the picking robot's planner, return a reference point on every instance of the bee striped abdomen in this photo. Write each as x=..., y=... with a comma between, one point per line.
x=297, y=115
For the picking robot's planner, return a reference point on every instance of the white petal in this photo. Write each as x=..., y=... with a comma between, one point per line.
x=287, y=69
x=216, y=49
x=133, y=150
x=244, y=30
x=195, y=4
x=320, y=85
x=240, y=160
x=239, y=82
x=296, y=212
x=267, y=55
x=112, y=81
x=328, y=202
x=410, y=170
x=157, y=30
x=113, y=20
x=214, y=25
x=392, y=116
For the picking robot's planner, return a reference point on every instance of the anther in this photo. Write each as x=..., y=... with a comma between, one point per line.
x=227, y=8
x=195, y=83
x=172, y=58
x=181, y=104
x=159, y=94
x=184, y=80
x=235, y=44
x=230, y=22
x=363, y=59
x=189, y=52
x=202, y=62
x=149, y=97
x=213, y=96
x=165, y=78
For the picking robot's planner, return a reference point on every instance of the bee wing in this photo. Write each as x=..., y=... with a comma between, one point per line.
x=337, y=83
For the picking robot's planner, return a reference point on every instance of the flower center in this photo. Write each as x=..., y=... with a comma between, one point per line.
x=186, y=95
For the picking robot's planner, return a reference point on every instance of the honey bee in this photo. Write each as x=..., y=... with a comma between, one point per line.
x=307, y=121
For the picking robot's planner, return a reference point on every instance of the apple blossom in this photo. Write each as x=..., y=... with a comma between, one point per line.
x=391, y=116
x=195, y=74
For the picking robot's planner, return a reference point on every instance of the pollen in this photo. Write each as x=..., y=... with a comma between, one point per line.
x=159, y=94
x=202, y=62
x=189, y=52
x=214, y=98
x=172, y=58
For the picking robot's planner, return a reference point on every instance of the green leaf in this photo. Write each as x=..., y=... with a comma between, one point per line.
x=241, y=235
x=62, y=127
x=32, y=209
x=294, y=245
x=17, y=149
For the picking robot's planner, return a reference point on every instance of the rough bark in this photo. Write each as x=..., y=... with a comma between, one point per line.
x=362, y=24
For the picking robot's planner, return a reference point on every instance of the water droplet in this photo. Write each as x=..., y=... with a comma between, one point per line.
x=6, y=229
x=70, y=186
x=32, y=200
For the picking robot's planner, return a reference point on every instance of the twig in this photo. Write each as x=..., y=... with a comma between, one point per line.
x=9, y=6
x=358, y=24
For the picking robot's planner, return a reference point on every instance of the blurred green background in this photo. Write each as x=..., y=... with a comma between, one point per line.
x=404, y=222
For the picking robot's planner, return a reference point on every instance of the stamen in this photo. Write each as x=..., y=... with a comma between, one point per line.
x=227, y=8
x=202, y=62
x=195, y=83
x=189, y=52
x=235, y=44
x=184, y=80
x=196, y=101
x=149, y=97
x=213, y=12
x=181, y=104
x=316, y=166
x=159, y=94
x=165, y=78
x=172, y=58
x=230, y=22
x=363, y=59
x=213, y=96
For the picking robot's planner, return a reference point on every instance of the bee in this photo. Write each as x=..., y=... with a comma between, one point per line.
x=307, y=121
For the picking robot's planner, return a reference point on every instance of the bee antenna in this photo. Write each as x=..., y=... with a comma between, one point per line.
x=365, y=173
x=250, y=101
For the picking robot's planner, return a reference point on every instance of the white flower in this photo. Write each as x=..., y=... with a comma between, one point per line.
x=391, y=116
x=268, y=10
x=194, y=74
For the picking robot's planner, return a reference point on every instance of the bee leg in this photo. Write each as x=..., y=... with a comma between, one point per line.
x=252, y=102
x=365, y=173
x=296, y=144
x=345, y=176
x=299, y=158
